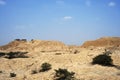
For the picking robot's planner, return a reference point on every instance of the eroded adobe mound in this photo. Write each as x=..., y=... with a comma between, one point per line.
x=103, y=42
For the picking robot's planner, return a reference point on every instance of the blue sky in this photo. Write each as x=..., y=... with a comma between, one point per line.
x=69, y=21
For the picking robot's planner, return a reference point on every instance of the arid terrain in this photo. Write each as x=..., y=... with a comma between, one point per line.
x=73, y=58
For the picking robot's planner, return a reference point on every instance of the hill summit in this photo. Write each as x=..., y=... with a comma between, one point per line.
x=103, y=42
x=33, y=45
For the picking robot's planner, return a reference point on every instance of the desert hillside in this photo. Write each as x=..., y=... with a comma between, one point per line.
x=103, y=42
x=73, y=58
x=34, y=45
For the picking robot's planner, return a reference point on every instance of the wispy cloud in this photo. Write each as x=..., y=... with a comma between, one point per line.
x=111, y=4
x=63, y=20
x=2, y=2
x=67, y=17
x=20, y=27
x=88, y=3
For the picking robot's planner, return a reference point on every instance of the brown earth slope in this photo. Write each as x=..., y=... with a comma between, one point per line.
x=103, y=42
x=34, y=45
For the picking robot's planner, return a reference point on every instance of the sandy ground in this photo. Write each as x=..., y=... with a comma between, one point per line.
x=79, y=63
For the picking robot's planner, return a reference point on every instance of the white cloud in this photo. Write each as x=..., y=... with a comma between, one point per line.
x=67, y=17
x=88, y=3
x=63, y=20
x=2, y=2
x=111, y=4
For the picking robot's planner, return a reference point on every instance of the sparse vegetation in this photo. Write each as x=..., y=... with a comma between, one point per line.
x=0, y=71
x=67, y=63
x=12, y=55
x=76, y=51
x=34, y=72
x=12, y=75
x=58, y=53
x=17, y=55
x=2, y=54
x=64, y=74
x=103, y=59
x=42, y=51
x=118, y=73
x=21, y=40
x=45, y=67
